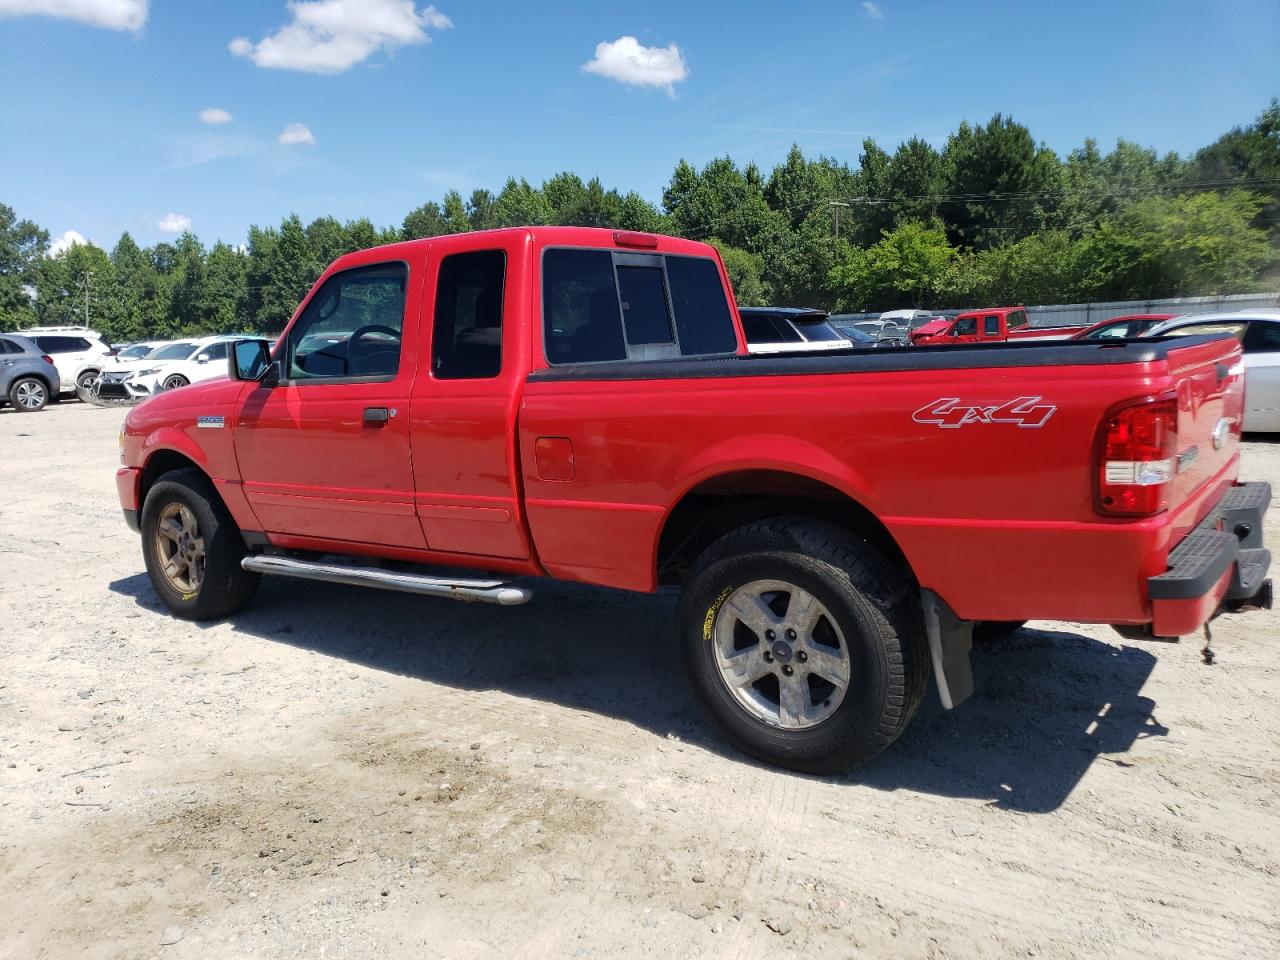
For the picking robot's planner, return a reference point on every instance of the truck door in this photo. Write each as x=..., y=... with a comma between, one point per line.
x=325, y=452
x=465, y=404
x=964, y=330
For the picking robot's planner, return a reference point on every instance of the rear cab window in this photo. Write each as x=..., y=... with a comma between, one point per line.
x=991, y=326
x=604, y=305
x=1016, y=319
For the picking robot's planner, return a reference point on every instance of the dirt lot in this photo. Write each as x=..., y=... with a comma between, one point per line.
x=353, y=773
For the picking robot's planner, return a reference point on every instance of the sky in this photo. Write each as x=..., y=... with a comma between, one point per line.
x=162, y=116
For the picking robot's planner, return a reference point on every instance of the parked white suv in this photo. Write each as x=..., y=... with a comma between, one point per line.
x=178, y=364
x=77, y=352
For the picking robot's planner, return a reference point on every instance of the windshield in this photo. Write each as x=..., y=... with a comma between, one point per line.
x=134, y=352
x=174, y=351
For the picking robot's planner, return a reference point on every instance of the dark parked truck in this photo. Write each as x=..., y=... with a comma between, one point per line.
x=580, y=404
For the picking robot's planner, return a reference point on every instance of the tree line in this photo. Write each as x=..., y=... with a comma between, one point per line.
x=992, y=216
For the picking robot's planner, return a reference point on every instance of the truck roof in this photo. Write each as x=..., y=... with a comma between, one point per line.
x=597, y=237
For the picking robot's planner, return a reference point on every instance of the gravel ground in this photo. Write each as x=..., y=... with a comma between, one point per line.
x=354, y=773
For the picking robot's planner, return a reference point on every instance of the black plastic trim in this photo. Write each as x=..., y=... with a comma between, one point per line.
x=1215, y=546
x=131, y=521
x=254, y=539
x=878, y=360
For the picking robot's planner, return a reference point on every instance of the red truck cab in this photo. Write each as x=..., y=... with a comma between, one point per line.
x=580, y=404
x=990, y=325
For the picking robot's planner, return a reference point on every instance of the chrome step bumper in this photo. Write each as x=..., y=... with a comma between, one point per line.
x=468, y=591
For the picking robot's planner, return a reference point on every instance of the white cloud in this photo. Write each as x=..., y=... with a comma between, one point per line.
x=627, y=61
x=174, y=223
x=66, y=242
x=214, y=115
x=295, y=133
x=872, y=10
x=329, y=36
x=112, y=14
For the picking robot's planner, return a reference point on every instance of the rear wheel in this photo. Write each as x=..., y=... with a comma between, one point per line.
x=29, y=394
x=805, y=645
x=193, y=548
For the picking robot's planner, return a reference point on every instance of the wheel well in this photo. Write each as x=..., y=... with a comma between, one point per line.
x=48, y=384
x=717, y=506
x=160, y=463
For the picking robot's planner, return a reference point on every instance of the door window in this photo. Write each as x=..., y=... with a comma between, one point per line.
x=965, y=327
x=1262, y=337
x=991, y=326
x=1016, y=319
x=214, y=351
x=351, y=328
x=8, y=346
x=466, y=342
x=58, y=344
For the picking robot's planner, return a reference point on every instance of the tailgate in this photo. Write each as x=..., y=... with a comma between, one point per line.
x=1208, y=378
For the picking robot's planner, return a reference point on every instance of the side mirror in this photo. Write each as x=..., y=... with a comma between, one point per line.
x=251, y=360
x=203, y=358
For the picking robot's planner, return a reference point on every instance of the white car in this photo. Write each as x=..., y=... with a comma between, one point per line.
x=178, y=364
x=77, y=352
x=1259, y=334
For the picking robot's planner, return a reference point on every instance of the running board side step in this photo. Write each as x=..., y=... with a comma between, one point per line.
x=468, y=591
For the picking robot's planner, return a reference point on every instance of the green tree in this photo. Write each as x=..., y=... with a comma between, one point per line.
x=22, y=244
x=746, y=274
x=1191, y=245
x=1002, y=185
x=907, y=266
x=426, y=221
x=291, y=269
x=1248, y=156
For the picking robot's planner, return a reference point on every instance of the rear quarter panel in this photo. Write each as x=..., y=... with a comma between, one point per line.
x=997, y=517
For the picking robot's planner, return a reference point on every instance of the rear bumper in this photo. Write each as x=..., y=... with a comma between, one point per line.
x=1221, y=562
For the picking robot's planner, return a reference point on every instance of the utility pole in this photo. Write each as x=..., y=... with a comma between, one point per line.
x=835, y=206
x=86, y=286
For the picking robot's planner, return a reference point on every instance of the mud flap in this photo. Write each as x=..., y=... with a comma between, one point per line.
x=950, y=641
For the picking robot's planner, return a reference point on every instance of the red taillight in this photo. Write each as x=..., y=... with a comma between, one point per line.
x=633, y=238
x=47, y=359
x=1137, y=446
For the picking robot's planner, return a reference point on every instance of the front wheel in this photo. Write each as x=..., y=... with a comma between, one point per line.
x=805, y=645
x=193, y=548
x=28, y=394
x=174, y=381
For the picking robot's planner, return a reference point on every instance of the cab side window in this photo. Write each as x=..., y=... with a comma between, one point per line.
x=990, y=326
x=351, y=328
x=466, y=342
x=965, y=327
x=1262, y=337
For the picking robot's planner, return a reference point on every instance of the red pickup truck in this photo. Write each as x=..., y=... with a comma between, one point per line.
x=988, y=325
x=580, y=403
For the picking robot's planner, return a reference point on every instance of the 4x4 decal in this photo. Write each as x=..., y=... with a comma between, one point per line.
x=949, y=413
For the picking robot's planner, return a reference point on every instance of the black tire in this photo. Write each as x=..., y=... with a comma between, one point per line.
x=175, y=381
x=877, y=609
x=84, y=384
x=29, y=394
x=226, y=587
x=994, y=631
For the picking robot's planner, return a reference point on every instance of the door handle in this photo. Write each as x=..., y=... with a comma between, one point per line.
x=376, y=415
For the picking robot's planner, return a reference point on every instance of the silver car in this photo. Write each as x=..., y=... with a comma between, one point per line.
x=1259, y=333
x=28, y=379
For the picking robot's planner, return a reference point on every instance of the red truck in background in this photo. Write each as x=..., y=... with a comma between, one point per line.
x=988, y=325
x=580, y=404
